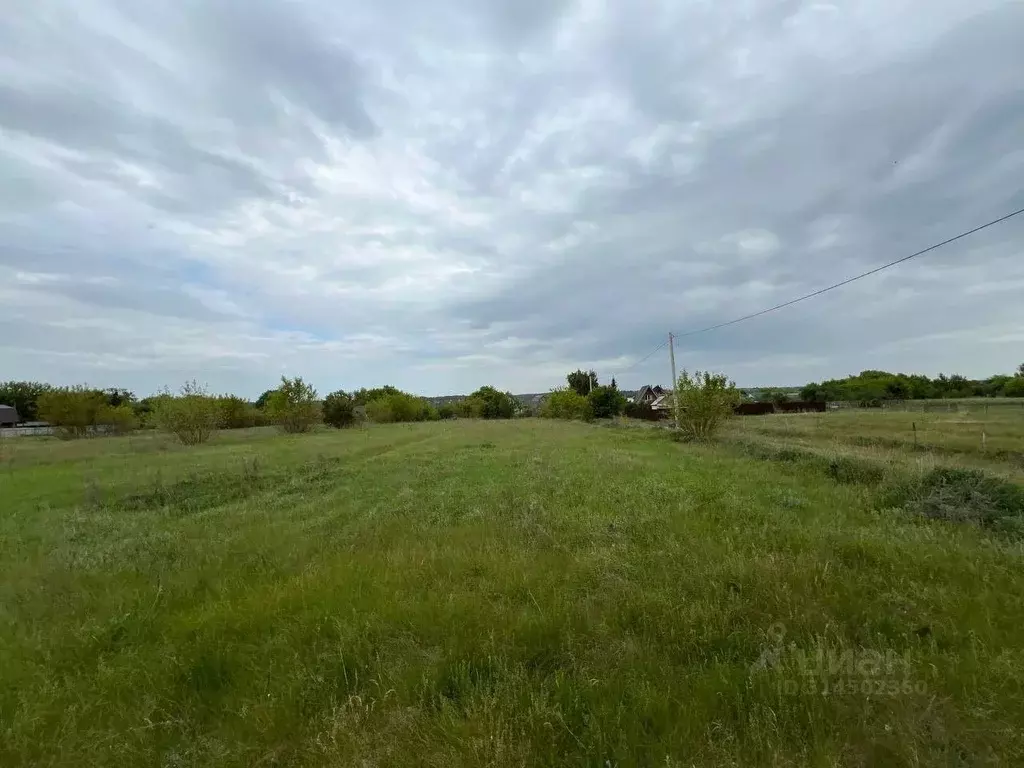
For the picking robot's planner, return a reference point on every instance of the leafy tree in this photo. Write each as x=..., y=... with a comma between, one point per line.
x=118, y=397
x=23, y=396
x=1014, y=387
x=606, y=402
x=236, y=413
x=490, y=403
x=814, y=393
x=339, y=410
x=119, y=419
x=365, y=396
x=582, y=382
x=614, y=385
x=706, y=400
x=262, y=400
x=1020, y=370
x=72, y=411
x=192, y=415
x=446, y=411
x=294, y=406
x=143, y=410
x=468, y=408
x=566, y=404
x=399, y=407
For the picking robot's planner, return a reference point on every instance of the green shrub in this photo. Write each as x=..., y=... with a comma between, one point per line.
x=961, y=495
x=582, y=382
x=566, y=404
x=490, y=403
x=339, y=410
x=236, y=413
x=399, y=407
x=192, y=416
x=119, y=419
x=706, y=401
x=143, y=410
x=380, y=411
x=446, y=411
x=293, y=406
x=468, y=408
x=1014, y=387
x=72, y=411
x=643, y=411
x=366, y=396
x=606, y=402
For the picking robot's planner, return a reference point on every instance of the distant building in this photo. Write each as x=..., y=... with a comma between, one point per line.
x=8, y=416
x=648, y=394
x=662, y=402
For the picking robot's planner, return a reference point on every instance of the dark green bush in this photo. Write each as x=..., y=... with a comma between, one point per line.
x=642, y=411
x=236, y=413
x=72, y=411
x=192, y=416
x=606, y=402
x=339, y=410
x=399, y=407
x=566, y=404
x=294, y=406
x=961, y=495
x=494, y=404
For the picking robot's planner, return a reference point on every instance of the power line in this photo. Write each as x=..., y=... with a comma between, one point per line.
x=848, y=280
x=790, y=303
x=644, y=359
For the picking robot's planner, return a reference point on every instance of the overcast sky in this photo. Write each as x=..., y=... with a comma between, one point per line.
x=446, y=194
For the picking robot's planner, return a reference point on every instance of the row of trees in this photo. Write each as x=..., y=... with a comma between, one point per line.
x=193, y=414
x=870, y=386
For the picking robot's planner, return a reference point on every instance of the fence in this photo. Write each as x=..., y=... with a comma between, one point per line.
x=794, y=406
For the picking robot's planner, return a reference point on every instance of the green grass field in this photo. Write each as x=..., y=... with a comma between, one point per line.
x=991, y=439
x=505, y=594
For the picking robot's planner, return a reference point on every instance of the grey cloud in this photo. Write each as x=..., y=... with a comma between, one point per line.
x=412, y=184
x=236, y=61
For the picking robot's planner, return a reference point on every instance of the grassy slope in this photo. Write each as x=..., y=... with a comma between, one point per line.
x=486, y=594
x=949, y=438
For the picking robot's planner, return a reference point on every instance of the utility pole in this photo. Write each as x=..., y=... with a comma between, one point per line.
x=675, y=381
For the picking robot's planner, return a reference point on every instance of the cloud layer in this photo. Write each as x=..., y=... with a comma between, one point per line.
x=457, y=193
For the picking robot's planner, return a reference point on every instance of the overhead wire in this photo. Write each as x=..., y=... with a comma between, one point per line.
x=832, y=287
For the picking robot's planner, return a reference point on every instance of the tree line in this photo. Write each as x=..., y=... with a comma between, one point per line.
x=877, y=386
x=192, y=413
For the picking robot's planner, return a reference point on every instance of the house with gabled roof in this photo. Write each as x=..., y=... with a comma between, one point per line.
x=648, y=394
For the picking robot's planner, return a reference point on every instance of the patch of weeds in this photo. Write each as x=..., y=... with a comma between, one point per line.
x=843, y=469
x=190, y=494
x=457, y=682
x=198, y=492
x=850, y=470
x=92, y=493
x=962, y=496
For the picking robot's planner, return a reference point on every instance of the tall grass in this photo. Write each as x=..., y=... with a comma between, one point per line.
x=476, y=593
